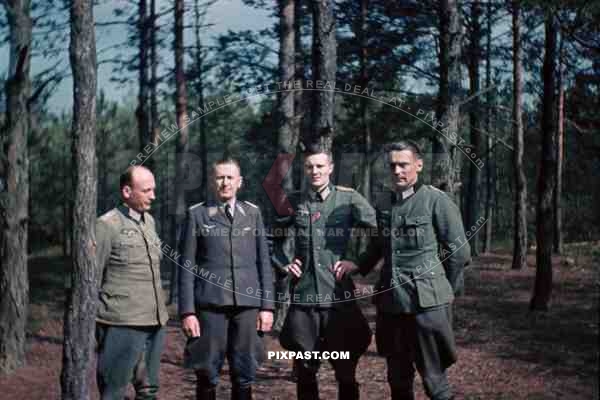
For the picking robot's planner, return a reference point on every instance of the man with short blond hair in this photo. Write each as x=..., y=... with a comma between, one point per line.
x=322, y=310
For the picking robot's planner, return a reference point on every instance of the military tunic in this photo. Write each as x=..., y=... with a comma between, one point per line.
x=226, y=278
x=131, y=314
x=128, y=252
x=323, y=233
x=424, y=247
x=326, y=227
x=225, y=263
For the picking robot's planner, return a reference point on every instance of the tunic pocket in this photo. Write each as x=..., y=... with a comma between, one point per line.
x=119, y=254
x=433, y=289
x=411, y=233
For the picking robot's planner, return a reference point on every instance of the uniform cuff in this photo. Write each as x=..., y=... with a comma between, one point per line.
x=186, y=314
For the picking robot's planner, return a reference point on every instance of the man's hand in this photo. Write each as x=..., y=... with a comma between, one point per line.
x=191, y=326
x=295, y=268
x=264, y=321
x=343, y=267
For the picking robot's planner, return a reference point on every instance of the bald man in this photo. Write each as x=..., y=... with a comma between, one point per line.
x=132, y=314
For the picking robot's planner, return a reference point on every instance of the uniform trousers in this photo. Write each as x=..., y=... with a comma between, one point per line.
x=326, y=329
x=424, y=340
x=232, y=331
x=129, y=354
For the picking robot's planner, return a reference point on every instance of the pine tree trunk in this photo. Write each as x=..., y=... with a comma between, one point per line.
x=14, y=191
x=199, y=81
x=299, y=95
x=287, y=141
x=472, y=200
x=160, y=174
x=324, y=69
x=141, y=112
x=560, y=132
x=520, y=210
x=81, y=305
x=154, y=117
x=489, y=166
x=102, y=157
x=363, y=83
x=443, y=168
x=181, y=145
x=547, y=175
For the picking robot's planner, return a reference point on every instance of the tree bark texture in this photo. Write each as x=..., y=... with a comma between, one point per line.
x=324, y=69
x=287, y=139
x=547, y=174
x=364, y=82
x=199, y=82
x=141, y=112
x=444, y=173
x=178, y=206
x=490, y=166
x=81, y=303
x=14, y=191
x=560, y=132
x=520, y=210
x=474, y=59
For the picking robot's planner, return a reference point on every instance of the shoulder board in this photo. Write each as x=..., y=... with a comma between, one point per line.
x=435, y=189
x=250, y=204
x=344, y=189
x=109, y=216
x=196, y=205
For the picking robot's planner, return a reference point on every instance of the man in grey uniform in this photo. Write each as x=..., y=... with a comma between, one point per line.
x=226, y=287
x=132, y=314
x=424, y=246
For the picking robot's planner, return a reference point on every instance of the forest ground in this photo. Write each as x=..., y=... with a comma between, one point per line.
x=505, y=352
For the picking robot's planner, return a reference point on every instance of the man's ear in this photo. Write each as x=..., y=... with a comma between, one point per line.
x=241, y=182
x=419, y=165
x=126, y=191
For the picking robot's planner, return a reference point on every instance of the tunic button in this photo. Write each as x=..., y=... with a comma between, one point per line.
x=397, y=252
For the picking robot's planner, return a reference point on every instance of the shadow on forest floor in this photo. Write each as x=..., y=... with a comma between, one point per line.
x=505, y=352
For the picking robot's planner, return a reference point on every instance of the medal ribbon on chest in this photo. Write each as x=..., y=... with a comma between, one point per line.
x=314, y=217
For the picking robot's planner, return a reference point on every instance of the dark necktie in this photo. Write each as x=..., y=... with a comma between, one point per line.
x=228, y=212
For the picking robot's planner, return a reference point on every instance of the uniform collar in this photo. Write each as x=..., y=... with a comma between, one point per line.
x=405, y=194
x=320, y=195
x=219, y=206
x=132, y=214
x=232, y=203
x=215, y=202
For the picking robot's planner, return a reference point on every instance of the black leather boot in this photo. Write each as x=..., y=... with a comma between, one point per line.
x=205, y=390
x=241, y=392
x=348, y=391
x=206, y=393
x=307, y=389
x=403, y=391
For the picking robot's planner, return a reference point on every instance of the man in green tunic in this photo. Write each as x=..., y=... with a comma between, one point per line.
x=132, y=316
x=424, y=246
x=323, y=311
